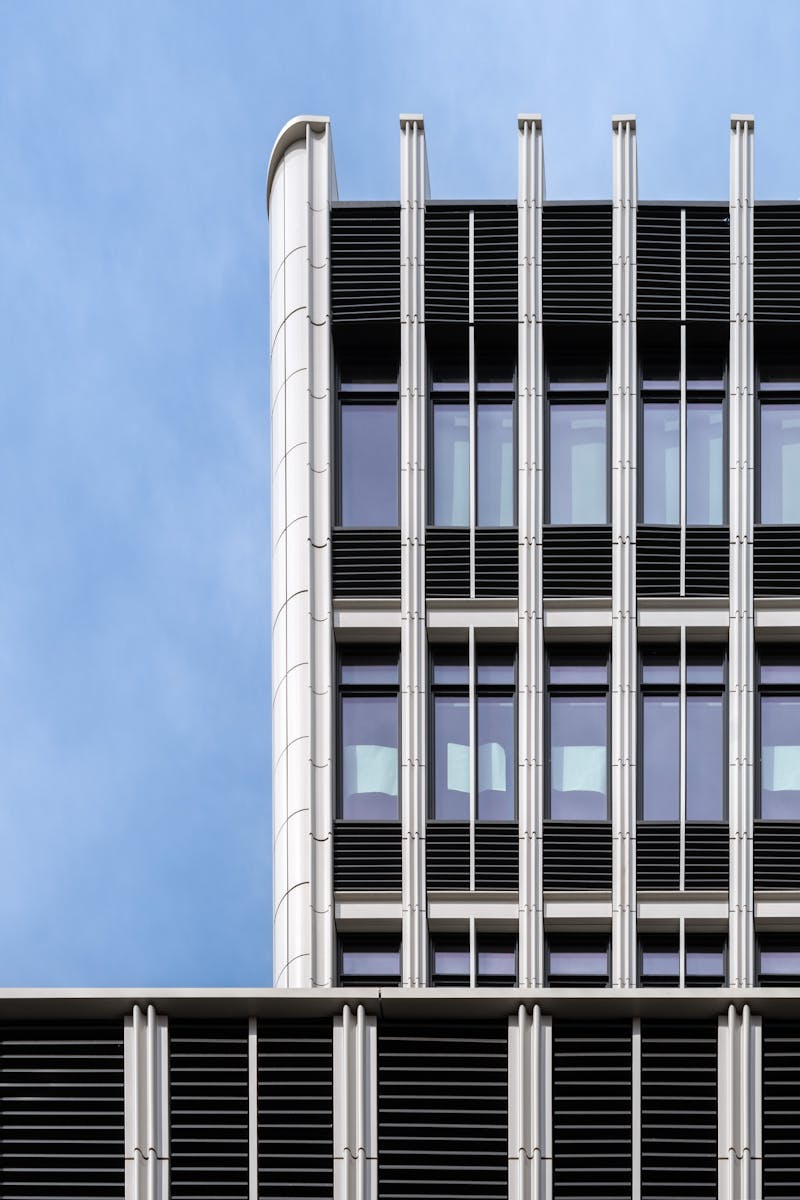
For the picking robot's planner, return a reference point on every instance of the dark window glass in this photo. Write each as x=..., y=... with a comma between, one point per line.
x=780, y=758
x=369, y=464
x=705, y=960
x=450, y=464
x=578, y=758
x=779, y=960
x=778, y=673
x=450, y=955
x=497, y=961
x=496, y=758
x=369, y=739
x=661, y=758
x=451, y=758
x=659, y=960
x=455, y=673
x=577, y=464
x=496, y=467
x=369, y=961
x=704, y=466
x=577, y=960
x=705, y=758
x=780, y=463
x=661, y=430
x=578, y=673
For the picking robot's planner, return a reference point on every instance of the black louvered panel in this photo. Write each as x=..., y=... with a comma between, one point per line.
x=658, y=856
x=658, y=263
x=367, y=856
x=707, y=850
x=209, y=1106
x=776, y=560
x=447, y=264
x=780, y=1083
x=295, y=1110
x=576, y=560
x=708, y=553
x=443, y=1110
x=62, y=1118
x=576, y=263
x=592, y=1110
x=679, y=1110
x=366, y=562
x=496, y=562
x=447, y=856
x=497, y=855
x=496, y=263
x=446, y=562
x=708, y=263
x=365, y=263
x=776, y=263
x=776, y=854
x=576, y=855
x=658, y=560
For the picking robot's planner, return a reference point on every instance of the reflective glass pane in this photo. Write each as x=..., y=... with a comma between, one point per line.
x=496, y=468
x=368, y=473
x=660, y=666
x=704, y=464
x=578, y=758
x=363, y=961
x=496, y=758
x=578, y=962
x=451, y=673
x=496, y=673
x=661, y=962
x=497, y=960
x=369, y=758
x=451, y=758
x=780, y=758
x=661, y=464
x=661, y=758
x=780, y=962
x=780, y=673
x=369, y=673
x=705, y=962
x=705, y=761
x=578, y=464
x=780, y=464
x=565, y=673
x=451, y=960
x=705, y=672
x=450, y=464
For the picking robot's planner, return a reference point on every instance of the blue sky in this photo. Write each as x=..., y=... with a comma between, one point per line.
x=134, y=577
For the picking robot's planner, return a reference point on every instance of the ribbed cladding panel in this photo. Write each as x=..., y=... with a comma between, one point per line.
x=367, y=856
x=780, y=1084
x=576, y=855
x=776, y=560
x=447, y=856
x=576, y=560
x=208, y=1100
x=496, y=262
x=366, y=562
x=707, y=854
x=658, y=263
x=776, y=855
x=446, y=562
x=576, y=263
x=496, y=562
x=62, y=1118
x=658, y=560
x=707, y=569
x=295, y=1110
x=658, y=856
x=443, y=1110
x=776, y=263
x=592, y=1110
x=497, y=855
x=708, y=263
x=365, y=263
x=679, y=1110
x=446, y=263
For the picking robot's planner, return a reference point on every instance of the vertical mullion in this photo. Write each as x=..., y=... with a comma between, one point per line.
x=682, y=763
x=252, y=1077
x=636, y=1109
x=473, y=953
x=473, y=758
x=473, y=419
x=682, y=467
x=682, y=952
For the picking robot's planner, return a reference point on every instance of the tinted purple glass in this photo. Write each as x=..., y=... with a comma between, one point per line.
x=704, y=464
x=780, y=464
x=369, y=465
x=496, y=759
x=660, y=667
x=661, y=464
x=497, y=961
x=496, y=467
x=578, y=464
x=451, y=752
x=496, y=673
x=363, y=961
x=705, y=766
x=580, y=673
x=661, y=962
x=451, y=960
x=780, y=962
x=705, y=962
x=578, y=758
x=780, y=673
x=780, y=758
x=368, y=673
x=661, y=758
x=578, y=962
x=707, y=672
x=450, y=464
x=451, y=673
x=369, y=758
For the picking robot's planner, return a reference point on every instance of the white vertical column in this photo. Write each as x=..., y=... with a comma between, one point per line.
x=739, y=1105
x=300, y=186
x=414, y=191
x=623, y=534
x=355, y=1105
x=530, y=424
x=742, y=473
x=146, y=1052
x=530, y=1121
x=252, y=1108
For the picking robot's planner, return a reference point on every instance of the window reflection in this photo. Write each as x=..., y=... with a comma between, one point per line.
x=369, y=738
x=368, y=469
x=780, y=456
x=577, y=463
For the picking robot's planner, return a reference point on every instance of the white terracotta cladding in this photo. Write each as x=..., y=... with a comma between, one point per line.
x=301, y=184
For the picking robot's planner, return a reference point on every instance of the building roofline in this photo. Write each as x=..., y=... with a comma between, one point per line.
x=293, y=131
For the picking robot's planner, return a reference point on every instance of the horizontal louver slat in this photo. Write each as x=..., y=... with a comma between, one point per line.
x=497, y=855
x=576, y=855
x=592, y=1110
x=365, y=263
x=209, y=1107
x=658, y=560
x=679, y=1110
x=443, y=1110
x=576, y=263
x=496, y=562
x=447, y=856
x=776, y=263
x=708, y=257
x=496, y=263
x=781, y=1109
x=446, y=562
x=576, y=560
x=295, y=1110
x=776, y=854
x=367, y=856
x=776, y=560
x=658, y=856
x=658, y=263
x=707, y=849
x=366, y=562
x=707, y=560
x=447, y=264
x=62, y=1110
